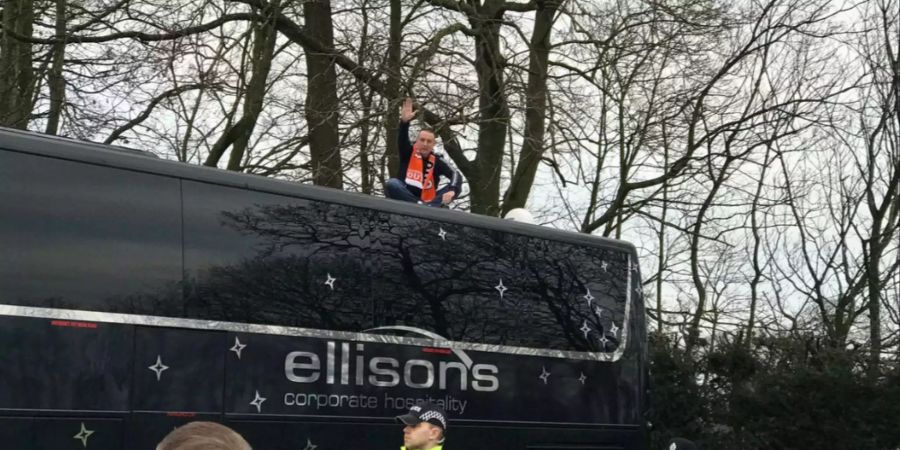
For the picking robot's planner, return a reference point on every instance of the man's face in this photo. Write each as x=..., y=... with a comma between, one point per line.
x=417, y=437
x=425, y=143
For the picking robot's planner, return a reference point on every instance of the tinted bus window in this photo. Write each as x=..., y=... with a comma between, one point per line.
x=261, y=258
x=80, y=236
x=475, y=285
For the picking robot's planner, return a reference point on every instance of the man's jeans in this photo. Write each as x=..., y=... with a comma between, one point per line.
x=396, y=189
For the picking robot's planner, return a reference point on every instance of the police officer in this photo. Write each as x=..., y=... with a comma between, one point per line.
x=425, y=427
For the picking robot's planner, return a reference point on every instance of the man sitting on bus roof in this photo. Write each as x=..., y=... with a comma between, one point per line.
x=420, y=168
x=425, y=427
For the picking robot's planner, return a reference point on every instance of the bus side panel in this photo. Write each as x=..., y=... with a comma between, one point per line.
x=16, y=433
x=178, y=370
x=73, y=434
x=145, y=430
x=317, y=435
x=54, y=364
x=323, y=434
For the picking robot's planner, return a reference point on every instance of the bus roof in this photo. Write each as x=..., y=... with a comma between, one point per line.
x=143, y=161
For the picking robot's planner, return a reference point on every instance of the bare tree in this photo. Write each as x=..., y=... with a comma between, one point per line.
x=879, y=164
x=536, y=93
x=237, y=135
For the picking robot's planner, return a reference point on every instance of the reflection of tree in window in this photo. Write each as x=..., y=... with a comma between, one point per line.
x=397, y=270
x=284, y=281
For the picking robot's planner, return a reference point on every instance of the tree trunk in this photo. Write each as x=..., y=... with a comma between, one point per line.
x=757, y=243
x=392, y=89
x=662, y=236
x=535, y=108
x=55, y=80
x=884, y=214
x=484, y=181
x=16, y=72
x=693, y=334
x=365, y=97
x=264, y=37
x=237, y=135
x=321, y=98
x=874, y=284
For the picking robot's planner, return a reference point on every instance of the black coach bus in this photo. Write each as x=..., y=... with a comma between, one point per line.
x=138, y=294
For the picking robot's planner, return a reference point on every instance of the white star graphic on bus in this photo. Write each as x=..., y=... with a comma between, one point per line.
x=310, y=445
x=582, y=378
x=237, y=347
x=604, y=265
x=500, y=288
x=598, y=311
x=603, y=340
x=589, y=298
x=639, y=289
x=258, y=401
x=544, y=374
x=159, y=367
x=442, y=234
x=330, y=281
x=614, y=329
x=83, y=435
x=585, y=329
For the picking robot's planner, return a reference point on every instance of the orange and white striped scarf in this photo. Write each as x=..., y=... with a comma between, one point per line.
x=418, y=177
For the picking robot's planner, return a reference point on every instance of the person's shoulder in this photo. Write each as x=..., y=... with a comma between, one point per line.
x=442, y=163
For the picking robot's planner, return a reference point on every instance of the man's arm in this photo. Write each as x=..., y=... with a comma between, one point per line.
x=404, y=146
x=443, y=169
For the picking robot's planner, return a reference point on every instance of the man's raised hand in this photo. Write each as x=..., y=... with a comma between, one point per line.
x=406, y=111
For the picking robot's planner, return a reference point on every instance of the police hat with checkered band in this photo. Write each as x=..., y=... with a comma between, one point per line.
x=428, y=412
